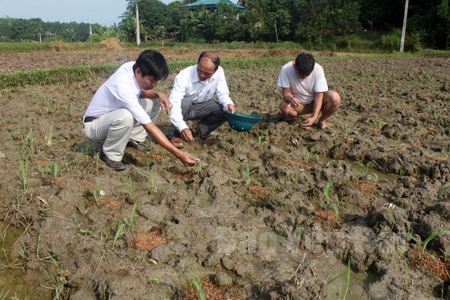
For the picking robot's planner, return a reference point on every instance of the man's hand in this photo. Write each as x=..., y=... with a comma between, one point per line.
x=164, y=102
x=295, y=103
x=187, y=159
x=186, y=135
x=230, y=107
x=309, y=122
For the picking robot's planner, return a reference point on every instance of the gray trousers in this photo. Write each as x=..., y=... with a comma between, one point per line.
x=210, y=115
x=116, y=127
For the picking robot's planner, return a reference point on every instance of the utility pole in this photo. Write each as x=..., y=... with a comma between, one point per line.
x=138, y=36
x=405, y=17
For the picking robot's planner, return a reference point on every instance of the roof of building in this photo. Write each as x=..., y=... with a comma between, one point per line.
x=211, y=4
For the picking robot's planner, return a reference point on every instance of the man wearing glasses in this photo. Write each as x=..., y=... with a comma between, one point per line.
x=191, y=99
x=305, y=91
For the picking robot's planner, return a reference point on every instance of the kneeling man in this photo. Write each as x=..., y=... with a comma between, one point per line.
x=191, y=99
x=305, y=91
x=123, y=108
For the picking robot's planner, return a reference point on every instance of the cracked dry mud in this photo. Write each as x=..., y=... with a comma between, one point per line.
x=268, y=239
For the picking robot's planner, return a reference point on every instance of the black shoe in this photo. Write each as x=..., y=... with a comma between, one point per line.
x=141, y=146
x=115, y=165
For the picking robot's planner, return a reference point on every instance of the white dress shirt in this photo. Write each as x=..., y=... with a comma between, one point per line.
x=188, y=86
x=121, y=90
x=303, y=89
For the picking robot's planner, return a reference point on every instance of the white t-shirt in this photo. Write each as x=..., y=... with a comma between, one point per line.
x=303, y=89
x=188, y=86
x=121, y=90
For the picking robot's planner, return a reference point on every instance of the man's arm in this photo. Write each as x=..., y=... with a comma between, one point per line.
x=318, y=101
x=163, y=100
x=180, y=86
x=289, y=98
x=222, y=93
x=159, y=137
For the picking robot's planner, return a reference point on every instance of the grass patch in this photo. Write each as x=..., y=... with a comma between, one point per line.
x=8, y=48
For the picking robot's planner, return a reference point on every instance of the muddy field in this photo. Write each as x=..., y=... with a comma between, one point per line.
x=66, y=56
x=249, y=221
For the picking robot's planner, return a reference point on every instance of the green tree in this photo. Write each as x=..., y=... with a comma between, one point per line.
x=151, y=13
x=174, y=16
x=443, y=13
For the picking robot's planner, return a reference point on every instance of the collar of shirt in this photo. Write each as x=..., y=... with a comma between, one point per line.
x=137, y=88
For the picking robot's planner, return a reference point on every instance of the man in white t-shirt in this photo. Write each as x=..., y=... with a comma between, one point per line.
x=305, y=91
x=123, y=110
x=191, y=99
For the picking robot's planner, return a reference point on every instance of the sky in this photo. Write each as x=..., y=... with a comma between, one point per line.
x=103, y=12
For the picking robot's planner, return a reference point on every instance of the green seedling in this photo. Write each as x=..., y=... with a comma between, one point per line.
x=53, y=170
x=50, y=135
x=23, y=172
x=22, y=249
x=96, y=193
x=311, y=153
x=85, y=231
x=68, y=109
x=365, y=169
x=153, y=280
x=294, y=178
x=446, y=153
x=130, y=222
x=152, y=188
x=59, y=280
x=327, y=205
x=248, y=173
x=119, y=230
x=3, y=236
x=129, y=186
x=198, y=285
x=30, y=142
x=197, y=164
x=344, y=129
x=376, y=123
x=400, y=141
x=445, y=254
x=441, y=282
x=347, y=282
x=425, y=243
x=234, y=167
x=3, y=295
x=260, y=136
x=441, y=190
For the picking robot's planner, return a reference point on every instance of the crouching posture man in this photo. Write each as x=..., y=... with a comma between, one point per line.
x=191, y=98
x=305, y=91
x=124, y=108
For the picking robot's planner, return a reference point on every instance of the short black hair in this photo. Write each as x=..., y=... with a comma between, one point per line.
x=304, y=63
x=212, y=56
x=152, y=63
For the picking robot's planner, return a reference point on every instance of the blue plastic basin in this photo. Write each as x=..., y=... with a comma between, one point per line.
x=241, y=122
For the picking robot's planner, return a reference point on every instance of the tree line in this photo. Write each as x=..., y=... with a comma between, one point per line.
x=309, y=22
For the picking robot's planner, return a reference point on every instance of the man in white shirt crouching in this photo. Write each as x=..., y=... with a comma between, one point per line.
x=305, y=91
x=123, y=110
x=191, y=99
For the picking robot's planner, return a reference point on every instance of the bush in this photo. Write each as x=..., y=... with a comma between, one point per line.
x=391, y=41
x=94, y=38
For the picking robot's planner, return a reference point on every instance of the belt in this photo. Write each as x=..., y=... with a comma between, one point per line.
x=89, y=119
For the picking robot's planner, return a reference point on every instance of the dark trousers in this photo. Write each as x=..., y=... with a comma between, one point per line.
x=210, y=115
